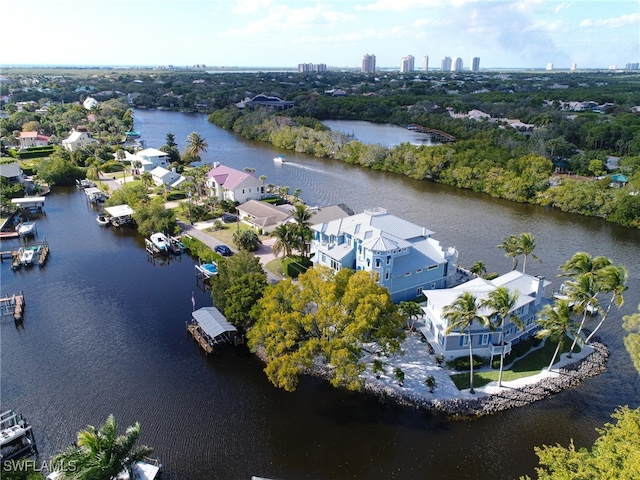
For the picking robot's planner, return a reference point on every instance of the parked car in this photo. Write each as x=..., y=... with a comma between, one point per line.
x=223, y=250
x=229, y=218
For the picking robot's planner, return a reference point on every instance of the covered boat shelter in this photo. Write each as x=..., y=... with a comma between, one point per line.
x=209, y=327
x=29, y=203
x=120, y=214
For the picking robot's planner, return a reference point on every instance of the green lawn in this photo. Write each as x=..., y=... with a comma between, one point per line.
x=275, y=266
x=532, y=364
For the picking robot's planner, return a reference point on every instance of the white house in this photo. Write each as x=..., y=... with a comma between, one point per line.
x=90, y=103
x=531, y=298
x=227, y=183
x=403, y=255
x=148, y=159
x=33, y=139
x=263, y=216
x=77, y=139
x=162, y=176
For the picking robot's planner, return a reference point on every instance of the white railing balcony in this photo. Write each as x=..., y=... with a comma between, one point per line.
x=497, y=349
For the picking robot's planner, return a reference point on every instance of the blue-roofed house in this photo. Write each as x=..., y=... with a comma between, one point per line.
x=531, y=298
x=619, y=180
x=404, y=256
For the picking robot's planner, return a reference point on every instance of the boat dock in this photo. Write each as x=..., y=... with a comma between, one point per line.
x=29, y=254
x=13, y=305
x=209, y=327
x=16, y=437
x=435, y=133
x=176, y=247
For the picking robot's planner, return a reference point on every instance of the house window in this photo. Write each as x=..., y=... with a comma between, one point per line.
x=418, y=291
x=484, y=340
x=243, y=190
x=433, y=285
x=324, y=258
x=408, y=274
x=386, y=275
x=335, y=264
x=433, y=267
x=419, y=270
x=464, y=340
x=377, y=263
x=388, y=259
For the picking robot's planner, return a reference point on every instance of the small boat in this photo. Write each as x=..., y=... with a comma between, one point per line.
x=102, y=220
x=562, y=295
x=85, y=183
x=16, y=437
x=160, y=241
x=279, y=159
x=26, y=228
x=133, y=134
x=26, y=256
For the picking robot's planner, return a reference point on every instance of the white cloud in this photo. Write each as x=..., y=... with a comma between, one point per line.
x=616, y=22
x=250, y=6
x=403, y=5
x=562, y=6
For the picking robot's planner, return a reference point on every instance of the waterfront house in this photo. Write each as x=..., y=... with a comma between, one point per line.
x=531, y=298
x=404, y=256
x=167, y=178
x=12, y=172
x=262, y=215
x=77, y=139
x=148, y=159
x=227, y=183
x=33, y=139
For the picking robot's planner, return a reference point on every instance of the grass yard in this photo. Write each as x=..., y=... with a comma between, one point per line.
x=531, y=364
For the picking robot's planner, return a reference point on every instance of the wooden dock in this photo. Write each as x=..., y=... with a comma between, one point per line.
x=13, y=234
x=435, y=133
x=40, y=256
x=13, y=305
x=196, y=332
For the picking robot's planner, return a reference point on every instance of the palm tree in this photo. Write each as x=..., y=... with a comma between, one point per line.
x=460, y=315
x=478, y=268
x=285, y=239
x=582, y=294
x=195, y=146
x=611, y=279
x=555, y=323
x=581, y=263
x=302, y=216
x=511, y=247
x=527, y=243
x=502, y=302
x=100, y=454
x=411, y=311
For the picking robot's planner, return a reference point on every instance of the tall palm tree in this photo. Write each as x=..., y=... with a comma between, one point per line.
x=478, y=268
x=285, y=239
x=555, y=323
x=100, y=454
x=611, y=279
x=195, y=146
x=461, y=315
x=581, y=263
x=302, y=216
x=511, y=247
x=527, y=243
x=583, y=297
x=501, y=302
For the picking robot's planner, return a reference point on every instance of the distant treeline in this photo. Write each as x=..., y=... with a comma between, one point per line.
x=486, y=158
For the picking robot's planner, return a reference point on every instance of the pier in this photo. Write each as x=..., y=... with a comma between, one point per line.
x=433, y=132
x=29, y=254
x=13, y=305
x=209, y=327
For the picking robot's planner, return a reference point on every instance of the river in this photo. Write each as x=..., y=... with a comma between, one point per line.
x=104, y=332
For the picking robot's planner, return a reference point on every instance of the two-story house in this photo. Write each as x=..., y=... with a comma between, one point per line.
x=486, y=343
x=403, y=255
x=33, y=139
x=227, y=183
x=148, y=159
x=77, y=139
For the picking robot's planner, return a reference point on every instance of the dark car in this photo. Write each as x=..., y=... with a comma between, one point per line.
x=228, y=218
x=223, y=250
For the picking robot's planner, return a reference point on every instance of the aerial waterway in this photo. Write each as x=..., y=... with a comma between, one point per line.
x=104, y=332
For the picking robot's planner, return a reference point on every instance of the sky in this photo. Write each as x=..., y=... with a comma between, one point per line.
x=284, y=33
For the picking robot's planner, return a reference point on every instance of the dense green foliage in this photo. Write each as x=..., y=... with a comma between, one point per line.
x=325, y=315
x=151, y=216
x=59, y=171
x=615, y=453
x=631, y=324
x=247, y=240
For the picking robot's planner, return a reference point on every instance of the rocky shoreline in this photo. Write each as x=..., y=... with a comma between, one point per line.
x=506, y=398
x=486, y=404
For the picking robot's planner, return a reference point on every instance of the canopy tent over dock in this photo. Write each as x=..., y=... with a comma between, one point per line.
x=214, y=324
x=29, y=203
x=120, y=214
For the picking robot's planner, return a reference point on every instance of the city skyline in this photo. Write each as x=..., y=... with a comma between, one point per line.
x=283, y=33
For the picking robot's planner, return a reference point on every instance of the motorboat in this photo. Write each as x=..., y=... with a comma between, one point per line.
x=102, y=220
x=28, y=254
x=26, y=228
x=279, y=159
x=16, y=437
x=160, y=241
x=85, y=183
x=561, y=294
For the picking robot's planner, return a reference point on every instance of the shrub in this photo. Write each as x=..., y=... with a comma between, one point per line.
x=461, y=364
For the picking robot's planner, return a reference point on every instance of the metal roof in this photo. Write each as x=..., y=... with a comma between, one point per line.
x=212, y=321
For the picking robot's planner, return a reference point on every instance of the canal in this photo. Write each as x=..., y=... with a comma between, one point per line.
x=104, y=332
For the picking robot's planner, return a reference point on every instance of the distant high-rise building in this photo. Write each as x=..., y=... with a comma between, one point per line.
x=613, y=66
x=312, y=67
x=632, y=66
x=407, y=64
x=425, y=63
x=475, y=64
x=369, y=63
x=549, y=66
x=457, y=65
x=445, y=64
x=573, y=67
